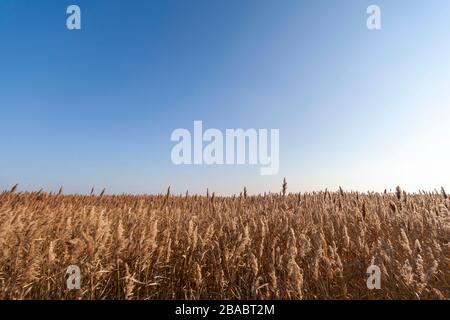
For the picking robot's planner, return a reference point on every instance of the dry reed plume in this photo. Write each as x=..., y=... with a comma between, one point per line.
x=276, y=246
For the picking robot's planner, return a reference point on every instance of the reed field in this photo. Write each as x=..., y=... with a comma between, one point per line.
x=273, y=246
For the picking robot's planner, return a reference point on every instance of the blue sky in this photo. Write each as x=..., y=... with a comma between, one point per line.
x=363, y=109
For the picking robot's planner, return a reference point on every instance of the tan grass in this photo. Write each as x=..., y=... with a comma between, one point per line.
x=276, y=246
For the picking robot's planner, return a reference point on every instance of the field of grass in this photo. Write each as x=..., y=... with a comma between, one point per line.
x=294, y=246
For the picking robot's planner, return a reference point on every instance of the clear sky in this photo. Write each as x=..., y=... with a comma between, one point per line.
x=365, y=110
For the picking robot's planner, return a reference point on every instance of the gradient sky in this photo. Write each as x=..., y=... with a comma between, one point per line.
x=365, y=110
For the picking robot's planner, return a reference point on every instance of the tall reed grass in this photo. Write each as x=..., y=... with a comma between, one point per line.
x=274, y=246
